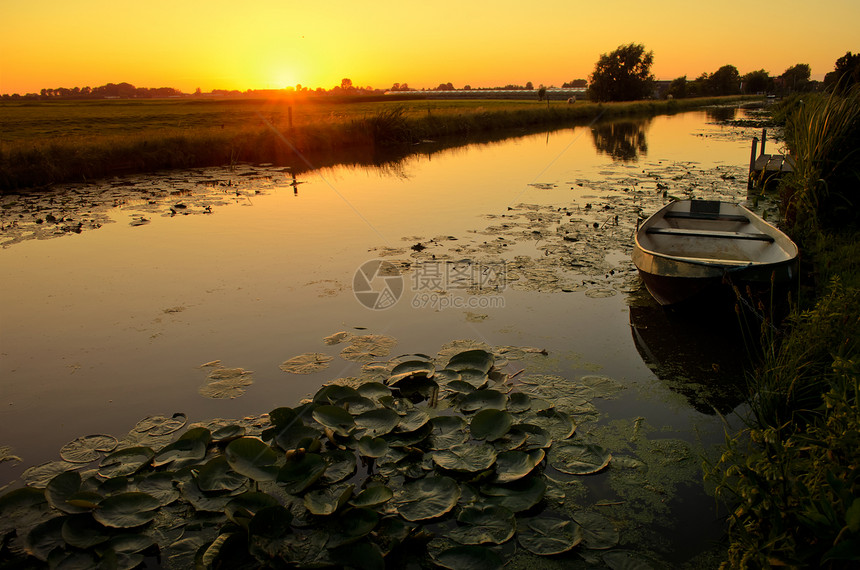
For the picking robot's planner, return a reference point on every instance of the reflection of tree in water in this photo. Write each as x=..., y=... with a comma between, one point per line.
x=623, y=141
x=720, y=114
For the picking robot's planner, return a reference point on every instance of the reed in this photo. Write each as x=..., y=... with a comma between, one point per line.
x=823, y=131
x=48, y=144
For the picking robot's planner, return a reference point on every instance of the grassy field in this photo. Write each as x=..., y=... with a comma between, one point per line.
x=43, y=143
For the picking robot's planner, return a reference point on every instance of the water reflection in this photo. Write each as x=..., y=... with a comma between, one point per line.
x=721, y=114
x=623, y=141
x=697, y=352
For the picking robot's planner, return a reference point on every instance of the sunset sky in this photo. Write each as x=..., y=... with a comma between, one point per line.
x=264, y=44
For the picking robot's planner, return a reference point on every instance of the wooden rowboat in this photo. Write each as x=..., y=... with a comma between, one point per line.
x=691, y=245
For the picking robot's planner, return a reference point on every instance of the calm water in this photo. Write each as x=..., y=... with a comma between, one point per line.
x=104, y=327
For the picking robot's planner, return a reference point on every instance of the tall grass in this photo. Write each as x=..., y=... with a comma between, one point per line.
x=823, y=133
x=40, y=146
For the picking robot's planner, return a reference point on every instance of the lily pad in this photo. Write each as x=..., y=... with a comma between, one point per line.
x=159, y=485
x=579, y=458
x=125, y=461
x=469, y=557
x=490, y=424
x=339, y=465
x=556, y=422
x=518, y=496
x=374, y=390
x=412, y=368
x=372, y=496
x=377, y=422
x=372, y=446
x=88, y=448
x=82, y=531
x=369, y=347
x=413, y=420
x=216, y=475
x=427, y=498
x=270, y=522
x=251, y=457
x=474, y=378
x=483, y=399
x=352, y=525
x=480, y=525
x=45, y=537
x=514, y=465
x=335, y=418
x=161, y=425
x=329, y=500
x=226, y=383
x=465, y=457
x=307, y=363
x=548, y=536
x=626, y=560
x=337, y=337
x=300, y=473
x=598, y=532
x=242, y=508
x=297, y=437
x=471, y=360
x=39, y=475
x=60, y=488
x=181, y=449
x=127, y=510
x=447, y=431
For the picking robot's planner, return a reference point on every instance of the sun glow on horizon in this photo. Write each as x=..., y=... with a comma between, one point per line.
x=272, y=45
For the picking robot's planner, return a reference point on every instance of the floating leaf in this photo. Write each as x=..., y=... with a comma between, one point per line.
x=181, y=449
x=307, y=363
x=125, y=461
x=364, y=554
x=126, y=510
x=413, y=420
x=22, y=507
x=412, y=368
x=299, y=473
x=297, y=437
x=356, y=404
x=228, y=433
x=519, y=402
x=514, y=465
x=368, y=347
x=548, y=536
x=374, y=390
x=372, y=496
x=329, y=500
x=482, y=400
x=598, y=532
x=518, y=496
x=335, y=418
x=447, y=431
x=161, y=425
x=40, y=475
x=226, y=383
x=339, y=465
x=60, y=488
x=127, y=543
x=216, y=475
x=251, y=457
x=490, y=424
x=377, y=422
x=332, y=393
x=82, y=531
x=271, y=522
x=471, y=360
x=465, y=457
x=427, y=498
x=484, y=524
x=469, y=558
x=88, y=448
x=372, y=446
x=45, y=537
x=475, y=378
x=352, y=525
x=337, y=337
x=579, y=458
x=556, y=422
x=242, y=508
x=160, y=485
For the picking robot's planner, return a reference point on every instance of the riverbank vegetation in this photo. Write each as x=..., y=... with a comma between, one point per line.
x=792, y=476
x=45, y=143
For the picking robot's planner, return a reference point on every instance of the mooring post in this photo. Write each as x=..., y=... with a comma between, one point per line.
x=752, y=164
x=763, y=139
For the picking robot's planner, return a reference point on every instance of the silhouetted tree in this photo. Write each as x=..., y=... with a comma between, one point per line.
x=678, y=88
x=757, y=81
x=845, y=74
x=796, y=77
x=724, y=81
x=623, y=75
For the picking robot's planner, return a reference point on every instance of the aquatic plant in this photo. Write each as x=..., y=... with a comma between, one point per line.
x=364, y=475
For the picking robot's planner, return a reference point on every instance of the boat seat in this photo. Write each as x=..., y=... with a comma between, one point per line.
x=707, y=216
x=709, y=234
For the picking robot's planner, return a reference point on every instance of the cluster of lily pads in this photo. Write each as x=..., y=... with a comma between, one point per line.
x=445, y=465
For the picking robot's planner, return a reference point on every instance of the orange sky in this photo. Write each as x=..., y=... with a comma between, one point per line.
x=262, y=44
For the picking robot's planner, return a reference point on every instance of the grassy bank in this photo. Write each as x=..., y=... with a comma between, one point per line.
x=793, y=476
x=45, y=143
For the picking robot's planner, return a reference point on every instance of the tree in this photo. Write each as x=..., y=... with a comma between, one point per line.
x=846, y=72
x=724, y=81
x=757, y=81
x=678, y=88
x=346, y=84
x=796, y=77
x=623, y=75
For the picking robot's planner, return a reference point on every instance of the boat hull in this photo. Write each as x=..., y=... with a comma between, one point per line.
x=682, y=253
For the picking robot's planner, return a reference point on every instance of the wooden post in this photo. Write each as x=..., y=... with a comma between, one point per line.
x=763, y=139
x=752, y=163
